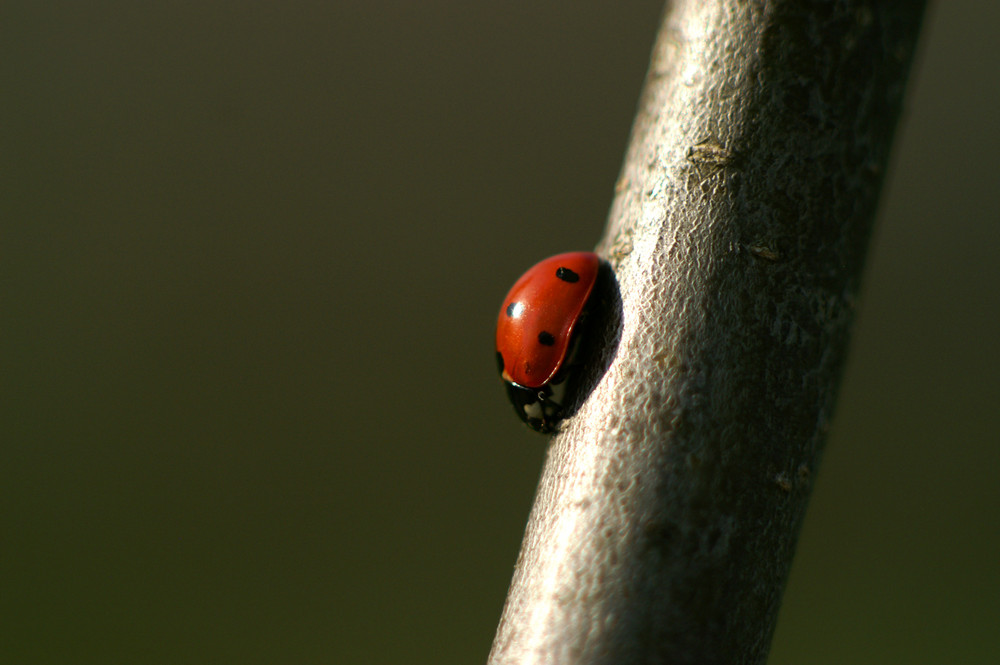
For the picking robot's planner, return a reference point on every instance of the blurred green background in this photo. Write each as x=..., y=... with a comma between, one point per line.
x=251, y=258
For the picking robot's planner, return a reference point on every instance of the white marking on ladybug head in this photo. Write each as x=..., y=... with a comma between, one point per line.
x=534, y=410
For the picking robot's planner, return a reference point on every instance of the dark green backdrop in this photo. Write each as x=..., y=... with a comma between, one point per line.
x=250, y=259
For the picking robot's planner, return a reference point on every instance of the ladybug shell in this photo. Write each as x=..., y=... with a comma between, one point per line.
x=536, y=321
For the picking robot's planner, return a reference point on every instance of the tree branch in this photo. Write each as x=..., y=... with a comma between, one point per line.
x=668, y=509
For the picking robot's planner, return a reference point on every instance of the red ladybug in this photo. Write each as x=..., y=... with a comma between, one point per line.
x=535, y=333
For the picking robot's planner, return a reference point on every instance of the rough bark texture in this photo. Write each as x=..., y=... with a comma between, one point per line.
x=669, y=506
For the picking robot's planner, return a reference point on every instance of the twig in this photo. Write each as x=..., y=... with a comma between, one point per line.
x=668, y=510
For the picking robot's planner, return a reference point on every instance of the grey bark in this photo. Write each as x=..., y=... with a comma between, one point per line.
x=669, y=506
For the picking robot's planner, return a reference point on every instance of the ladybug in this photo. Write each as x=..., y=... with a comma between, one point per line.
x=536, y=336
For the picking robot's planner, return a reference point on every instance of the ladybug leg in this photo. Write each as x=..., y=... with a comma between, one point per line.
x=550, y=410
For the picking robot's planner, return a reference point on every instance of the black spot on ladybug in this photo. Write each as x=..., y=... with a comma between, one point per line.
x=567, y=275
x=514, y=310
x=546, y=338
